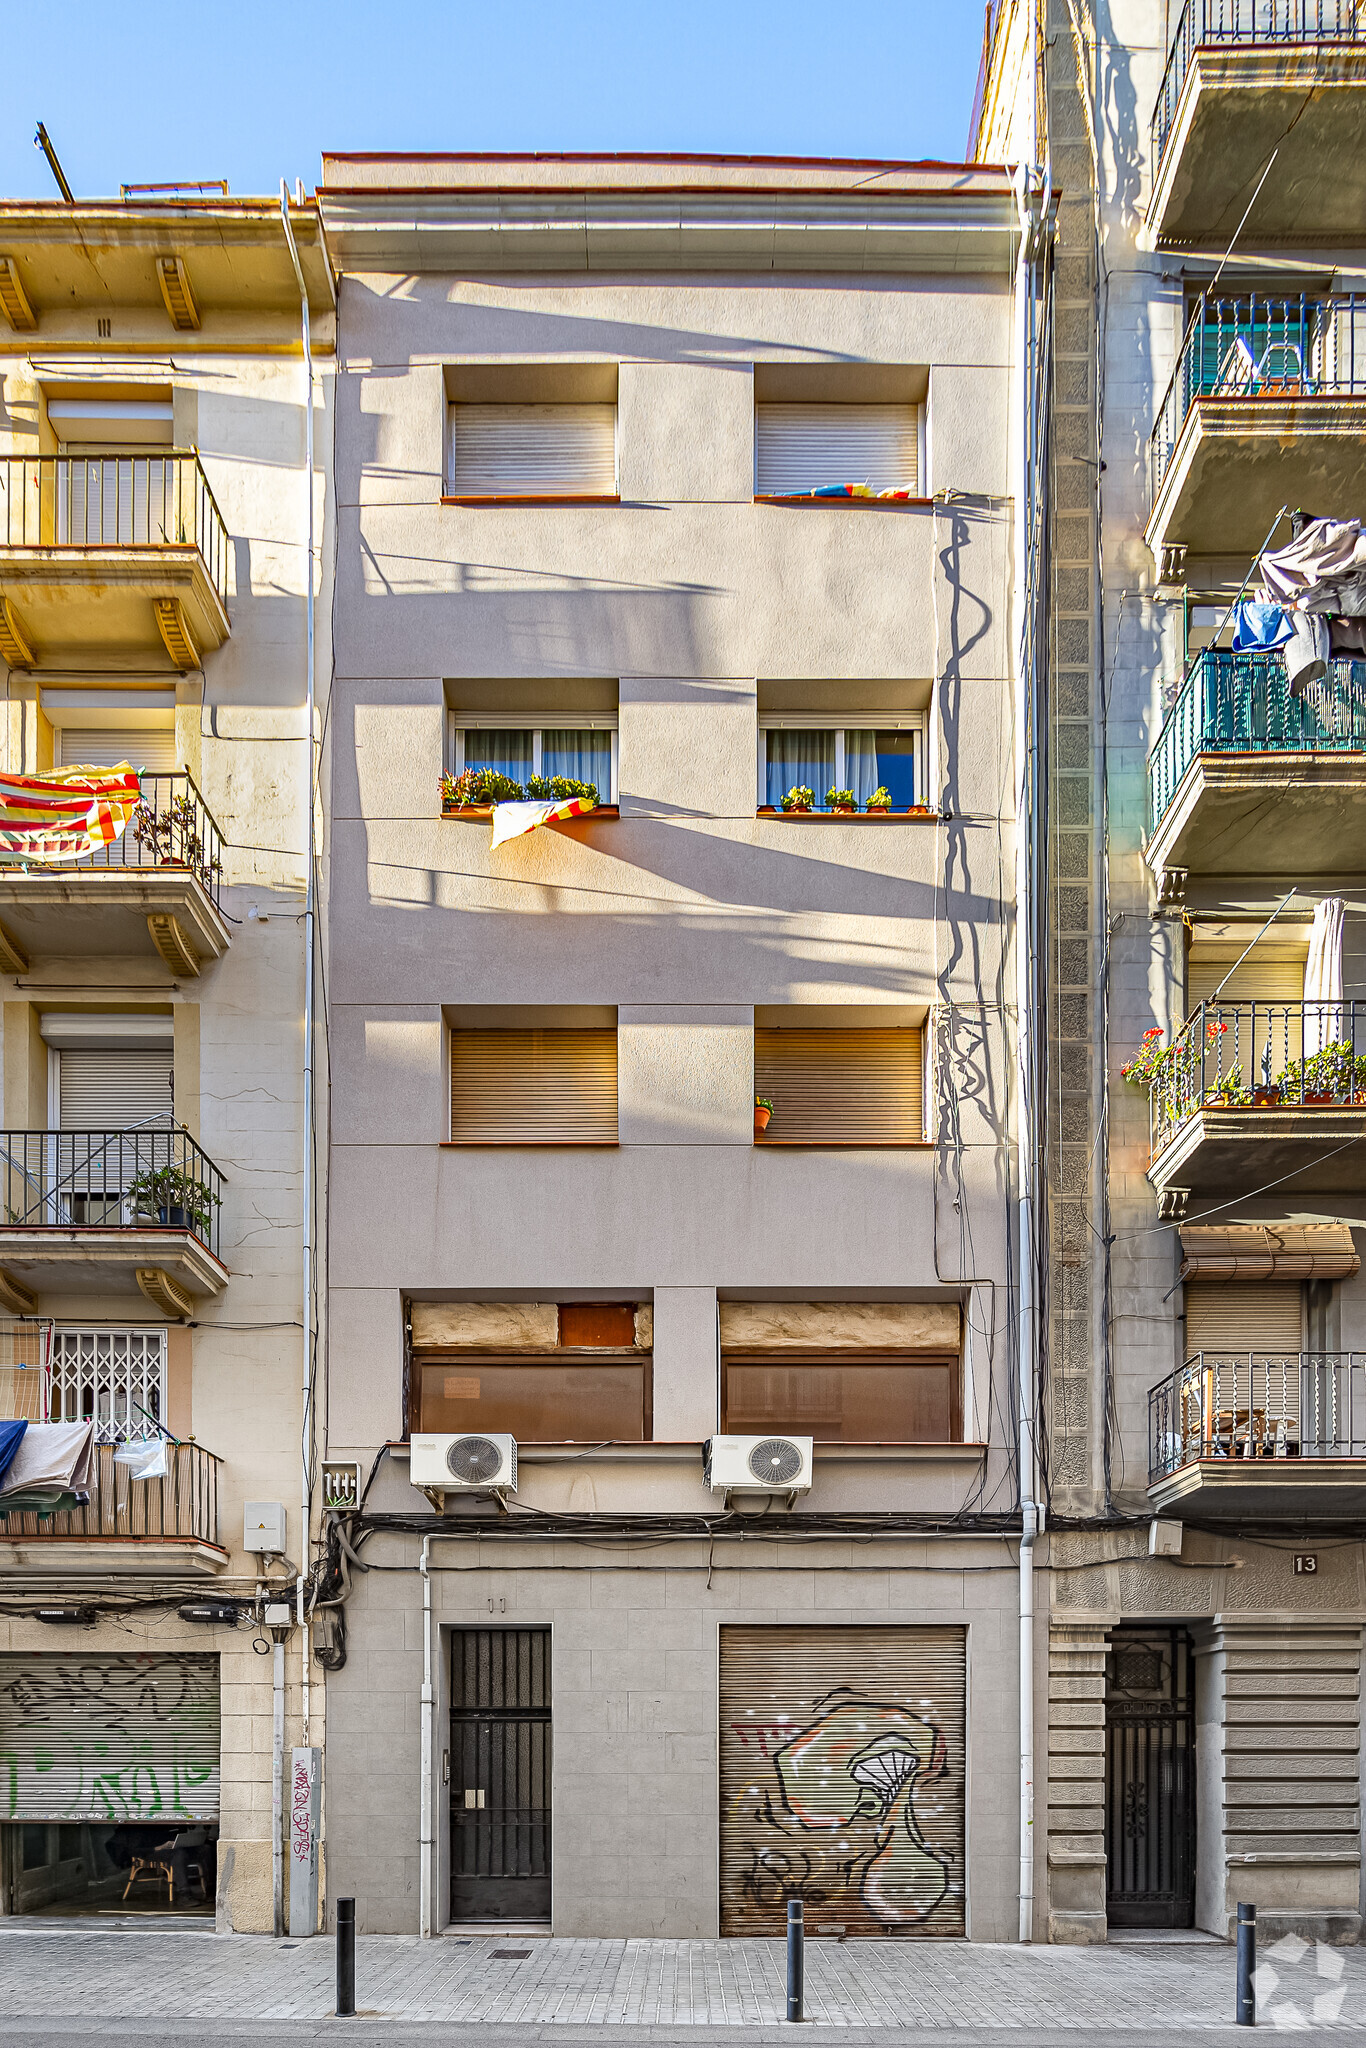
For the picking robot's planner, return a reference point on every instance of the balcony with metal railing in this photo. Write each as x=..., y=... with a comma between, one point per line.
x=134, y=1210
x=1266, y=407
x=1235, y=736
x=149, y=1524
x=120, y=553
x=1245, y=78
x=1233, y=1433
x=159, y=884
x=1249, y=1094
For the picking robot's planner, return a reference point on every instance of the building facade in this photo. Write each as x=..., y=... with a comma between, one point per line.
x=1205, y=1308
x=154, y=565
x=690, y=480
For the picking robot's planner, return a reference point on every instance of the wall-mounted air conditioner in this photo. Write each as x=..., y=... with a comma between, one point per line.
x=477, y=1463
x=757, y=1464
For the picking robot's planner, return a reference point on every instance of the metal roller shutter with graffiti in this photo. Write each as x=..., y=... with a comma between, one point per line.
x=109, y=1738
x=842, y=1779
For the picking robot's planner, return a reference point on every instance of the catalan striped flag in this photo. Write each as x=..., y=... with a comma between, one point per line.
x=67, y=814
x=510, y=821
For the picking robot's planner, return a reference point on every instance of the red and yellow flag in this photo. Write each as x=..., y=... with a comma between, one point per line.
x=67, y=814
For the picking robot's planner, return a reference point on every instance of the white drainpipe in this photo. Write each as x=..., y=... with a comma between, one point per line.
x=424, y=1906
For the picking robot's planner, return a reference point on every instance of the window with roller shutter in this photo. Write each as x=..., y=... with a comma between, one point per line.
x=806, y=447
x=534, y=1087
x=841, y=1087
x=1240, y=1316
x=508, y=451
x=152, y=748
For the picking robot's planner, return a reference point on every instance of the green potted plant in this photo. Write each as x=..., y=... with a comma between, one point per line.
x=173, y=1197
x=560, y=789
x=841, y=800
x=763, y=1110
x=477, y=789
x=172, y=836
x=881, y=799
x=1327, y=1076
x=799, y=798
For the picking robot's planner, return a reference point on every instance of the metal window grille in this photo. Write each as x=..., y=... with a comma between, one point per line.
x=115, y=1378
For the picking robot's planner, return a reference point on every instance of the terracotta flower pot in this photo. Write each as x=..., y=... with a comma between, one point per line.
x=1319, y=1100
x=1266, y=1098
x=794, y=810
x=761, y=1117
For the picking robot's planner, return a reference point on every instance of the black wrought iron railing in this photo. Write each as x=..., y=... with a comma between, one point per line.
x=132, y=498
x=1239, y=1055
x=172, y=827
x=1241, y=704
x=151, y=1177
x=1258, y=1405
x=182, y=1502
x=1259, y=347
x=1220, y=22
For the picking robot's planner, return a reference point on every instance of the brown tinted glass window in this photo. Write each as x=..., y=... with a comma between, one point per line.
x=610, y=1323
x=537, y=1403
x=855, y=1403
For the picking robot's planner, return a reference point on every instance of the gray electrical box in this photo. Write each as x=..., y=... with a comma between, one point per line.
x=264, y=1529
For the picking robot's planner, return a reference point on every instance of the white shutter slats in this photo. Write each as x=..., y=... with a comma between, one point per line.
x=533, y=451
x=152, y=748
x=1240, y=1316
x=111, y=1091
x=804, y=447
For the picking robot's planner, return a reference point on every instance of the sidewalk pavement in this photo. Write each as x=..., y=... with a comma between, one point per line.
x=53, y=1972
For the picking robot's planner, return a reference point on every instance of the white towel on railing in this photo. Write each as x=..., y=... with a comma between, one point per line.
x=55, y=1457
x=1323, y=976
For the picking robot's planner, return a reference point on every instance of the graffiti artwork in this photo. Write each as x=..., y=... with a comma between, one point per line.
x=850, y=1801
x=122, y=1739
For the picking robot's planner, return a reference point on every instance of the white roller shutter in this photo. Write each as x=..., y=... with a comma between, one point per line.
x=1226, y=1316
x=133, y=1739
x=533, y=450
x=1259, y=979
x=842, y=1779
x=149, y=747
x=101, y=1090
x=802, y=447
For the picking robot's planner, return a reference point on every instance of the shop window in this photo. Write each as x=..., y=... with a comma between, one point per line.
x=535, y=1400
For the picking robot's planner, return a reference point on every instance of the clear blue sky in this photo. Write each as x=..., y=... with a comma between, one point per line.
x=254, y=92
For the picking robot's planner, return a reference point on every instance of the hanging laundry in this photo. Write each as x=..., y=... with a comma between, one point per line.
x=510, y=821
x=1306, y=651
x=67, y=814
x=51, y=1471
x=1347, y=637
x=1326, y=552
x=1259, y=628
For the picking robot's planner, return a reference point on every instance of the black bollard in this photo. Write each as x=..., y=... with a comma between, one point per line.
x=1245, y=2014
x=346, y=1959
x=796, y=1960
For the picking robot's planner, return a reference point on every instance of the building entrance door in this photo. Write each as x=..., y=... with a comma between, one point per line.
x=500, y=1774
x=1150, y=1779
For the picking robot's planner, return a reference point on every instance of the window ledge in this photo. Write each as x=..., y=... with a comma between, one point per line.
x=656, y=1453
x=473, y=814
x=528, y=1144
x=851, y=504
x=531, y=498
x=918, y=814
x=846, y=1144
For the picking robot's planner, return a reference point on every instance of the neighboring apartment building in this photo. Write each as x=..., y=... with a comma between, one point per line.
x=153, y=570
x=583, y=407
x=1206, y=1359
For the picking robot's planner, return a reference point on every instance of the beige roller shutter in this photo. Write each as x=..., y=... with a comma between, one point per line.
x=132, y=1738
x=109, y=1091
x=802, y=447
x=534, y=1087
x=842, y=1779
x=533, y=450
x=1260, y=978
x=151, y=747
x=1244, y=1315
x=841, y=1087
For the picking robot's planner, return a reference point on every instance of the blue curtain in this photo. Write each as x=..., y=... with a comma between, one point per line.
x=799, y=758
x=860, y=764
x=896, y=767
x=579, y=756
x=508, y=752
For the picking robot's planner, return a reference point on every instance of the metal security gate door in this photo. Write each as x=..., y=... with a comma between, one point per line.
x=125, y=1739
x=500, y=1774
x=1150, y=1779
x=842, y=1779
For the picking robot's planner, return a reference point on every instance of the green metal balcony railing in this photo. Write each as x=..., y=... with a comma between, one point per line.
x=182, y=1503
x=1309, y=1055
x=1258, y=1404
x=146, y=1177
x=118, y=499
x=1241, y=704
x=1221, y=22
x=1258, y=348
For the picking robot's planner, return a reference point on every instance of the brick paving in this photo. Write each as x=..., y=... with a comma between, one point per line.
x=49, y=1974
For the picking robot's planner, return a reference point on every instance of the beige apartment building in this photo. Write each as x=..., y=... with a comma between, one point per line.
x=154, y=565
x=684, y=1576
x=1206, y=1315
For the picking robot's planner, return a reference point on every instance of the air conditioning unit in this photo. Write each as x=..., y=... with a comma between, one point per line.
x=464, y=1464
x=757, y=1464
